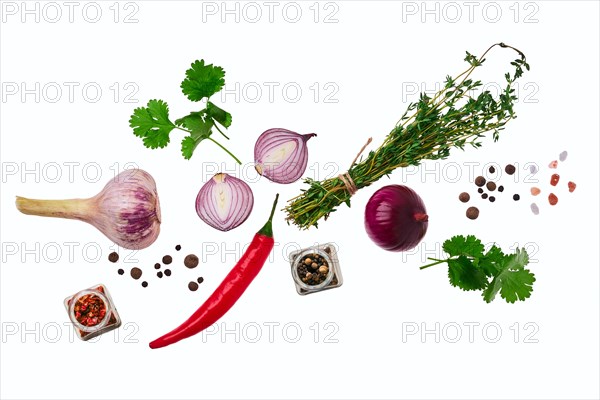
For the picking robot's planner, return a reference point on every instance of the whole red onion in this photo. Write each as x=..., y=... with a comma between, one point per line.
x=281, y=155
x=395, y=218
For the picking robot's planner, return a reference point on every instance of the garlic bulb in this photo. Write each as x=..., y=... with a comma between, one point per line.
x=127, y=210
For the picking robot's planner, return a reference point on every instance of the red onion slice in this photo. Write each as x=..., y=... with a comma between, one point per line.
x=224, y=202
x=281, y=155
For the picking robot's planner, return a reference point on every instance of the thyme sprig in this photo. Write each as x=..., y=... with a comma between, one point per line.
x=453, y=117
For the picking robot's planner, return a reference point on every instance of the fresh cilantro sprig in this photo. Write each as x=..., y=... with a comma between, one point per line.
x=492, y=272
x=152, y=123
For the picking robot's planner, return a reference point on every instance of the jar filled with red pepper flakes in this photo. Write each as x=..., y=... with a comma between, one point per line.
x=92, y=312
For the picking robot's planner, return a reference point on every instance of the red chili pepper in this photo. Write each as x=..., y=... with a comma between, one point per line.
x=229, y=291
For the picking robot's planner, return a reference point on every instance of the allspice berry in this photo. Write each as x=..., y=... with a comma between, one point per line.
x=323, y=269
x=464, y=197
x=480, y=181
x=308, y=261
x=510, y=169
x=472, y=212
x=136, y=273
x=191, y=261
x=314, y=265
x=491, y=186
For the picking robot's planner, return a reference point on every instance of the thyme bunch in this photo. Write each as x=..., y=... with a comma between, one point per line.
x=453, y=117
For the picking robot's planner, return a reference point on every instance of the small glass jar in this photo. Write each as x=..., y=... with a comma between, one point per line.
x=323, y=254
x=92, y=312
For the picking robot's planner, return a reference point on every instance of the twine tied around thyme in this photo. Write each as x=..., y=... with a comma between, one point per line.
x=346, y=178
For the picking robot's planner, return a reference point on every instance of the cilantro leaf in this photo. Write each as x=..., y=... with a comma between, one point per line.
x=194, y=121
x=461, y=246
x=465, y=275
x=493, y=272
x=188, y=145
x=514, y=282
x=490, y=261
x=152, y=124
x=199, y=128
x=202, y=81
x=218, y=114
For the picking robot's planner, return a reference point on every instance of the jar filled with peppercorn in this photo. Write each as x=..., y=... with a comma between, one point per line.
x=92, y=312
x=315, y=269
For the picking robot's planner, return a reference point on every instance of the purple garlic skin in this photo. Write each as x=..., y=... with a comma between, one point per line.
x=126, y=211
x=131, y=210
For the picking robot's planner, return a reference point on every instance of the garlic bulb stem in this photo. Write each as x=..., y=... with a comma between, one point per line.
x=71, y=209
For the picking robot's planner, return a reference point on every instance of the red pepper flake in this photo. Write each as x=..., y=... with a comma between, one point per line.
x=572, y=186
x=535, y=191
x=553, y=164
x=554, y=179
x=89, y=310
x=552, y=199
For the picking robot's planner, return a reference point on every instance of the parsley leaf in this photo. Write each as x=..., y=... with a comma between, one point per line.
x=152, y=123
x=493, y=272
x=202, y=81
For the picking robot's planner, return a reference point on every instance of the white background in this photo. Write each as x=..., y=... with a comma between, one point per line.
x=375, y=54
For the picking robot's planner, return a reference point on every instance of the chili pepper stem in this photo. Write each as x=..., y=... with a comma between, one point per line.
x=71, y=209
x=267, y=230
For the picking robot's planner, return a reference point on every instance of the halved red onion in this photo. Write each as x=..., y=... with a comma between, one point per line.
x=224, y=202
x=281, y=155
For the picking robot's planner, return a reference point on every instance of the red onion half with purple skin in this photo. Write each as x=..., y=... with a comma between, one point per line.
x=281, y=155
x=224, y=202
x=396, y=218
